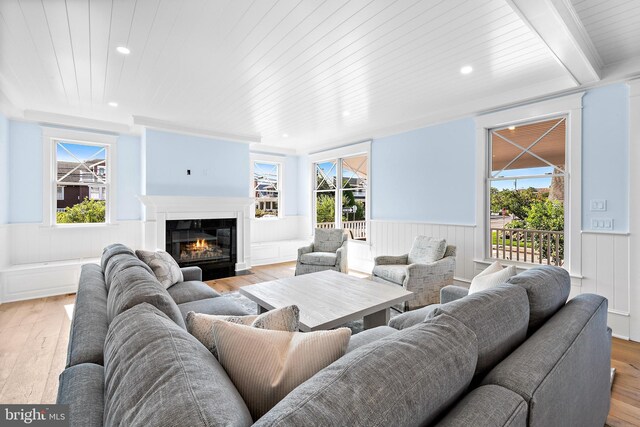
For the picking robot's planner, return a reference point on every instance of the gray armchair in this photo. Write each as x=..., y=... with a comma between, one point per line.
x=327, y=252
x=427, y=268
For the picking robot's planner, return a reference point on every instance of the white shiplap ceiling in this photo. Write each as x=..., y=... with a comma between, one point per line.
x=321, y=72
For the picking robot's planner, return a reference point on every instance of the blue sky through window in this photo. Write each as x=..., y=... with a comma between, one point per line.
x=81, y=151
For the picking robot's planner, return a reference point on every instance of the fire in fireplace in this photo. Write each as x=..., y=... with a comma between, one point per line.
x=208, y=243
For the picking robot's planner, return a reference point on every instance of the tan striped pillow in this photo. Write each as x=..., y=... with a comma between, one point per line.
x=280, y=319
x=266, y=365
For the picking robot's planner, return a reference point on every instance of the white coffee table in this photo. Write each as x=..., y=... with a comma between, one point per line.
x=329, y=299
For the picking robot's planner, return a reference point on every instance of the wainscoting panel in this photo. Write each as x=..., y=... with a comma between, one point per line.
x=277, y=229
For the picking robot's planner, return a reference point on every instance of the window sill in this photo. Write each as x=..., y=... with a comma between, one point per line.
x=81, y=225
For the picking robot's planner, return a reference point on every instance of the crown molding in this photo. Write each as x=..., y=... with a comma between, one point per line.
x=151, y=123
x=271, y=149
x=75, y=122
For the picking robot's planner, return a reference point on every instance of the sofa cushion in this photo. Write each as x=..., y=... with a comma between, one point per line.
x=405, y=379
x=136, y=285
x=326, y=240
x=488, y=406
x=499, y=317
x=191, y=291
x=548, y=288
x=82, y=388
x=165, y=268
x=90, y=323
x=426, y=250
x=164, y=376
x=266, y=365
x=121, y=262
x=492, y=276
x=280, y=319
x=392, y=272
x=114, y=249
x=368, y=336
x=563, y=370
x=413, y=317
x=223, y=305
x=319, y=258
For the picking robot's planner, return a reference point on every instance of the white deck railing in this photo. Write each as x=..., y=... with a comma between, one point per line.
x=358, y=228
x=533, y=246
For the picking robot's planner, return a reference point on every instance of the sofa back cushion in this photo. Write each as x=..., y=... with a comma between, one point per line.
x=135, y=285
x=164, y=376
x=120, y=262
x=499, y=317
x=405, y=379
x=426, y=250
x=112, y=250
x=326, y=240
x=548, y=288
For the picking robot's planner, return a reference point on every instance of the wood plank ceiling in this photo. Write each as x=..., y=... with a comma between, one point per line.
x=318, y=72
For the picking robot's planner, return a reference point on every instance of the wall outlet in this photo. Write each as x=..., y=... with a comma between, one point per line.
x=599, y=205
x=601, y=224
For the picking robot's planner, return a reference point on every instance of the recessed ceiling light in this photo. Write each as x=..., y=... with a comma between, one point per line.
x=512, y=128
x=285, y=135
x=466, y=69
x=346, y=113
x=123, y=50
x=113, y=104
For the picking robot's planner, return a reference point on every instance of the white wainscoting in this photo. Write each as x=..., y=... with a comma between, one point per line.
x=45, y=261
x=4, y=246
x=275, y=240
x=605, y=260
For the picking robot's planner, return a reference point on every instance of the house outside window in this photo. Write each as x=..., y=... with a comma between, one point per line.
x=526, y=182
x=82, y=182
x=266, y=185
x=341, y=194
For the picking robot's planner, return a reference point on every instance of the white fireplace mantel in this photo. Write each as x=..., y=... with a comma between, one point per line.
x=159, y=209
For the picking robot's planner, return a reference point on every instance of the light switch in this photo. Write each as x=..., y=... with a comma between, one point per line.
x=599, y=205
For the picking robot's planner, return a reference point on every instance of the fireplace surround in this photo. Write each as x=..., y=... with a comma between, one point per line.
x=210, y=244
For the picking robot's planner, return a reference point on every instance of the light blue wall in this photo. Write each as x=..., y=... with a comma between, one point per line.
x=218, y=168
x=129, y=178
x=605, y=154
x=290, y=185
x=25, y=172
x=4, y=169
x=304, y=186
x=426, y=174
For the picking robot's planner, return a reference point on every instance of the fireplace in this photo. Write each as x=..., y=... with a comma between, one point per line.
x=207, y=243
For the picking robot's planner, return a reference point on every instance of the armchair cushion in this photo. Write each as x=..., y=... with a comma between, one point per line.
x=426, y=250
x=328, y=240
x=319, y=258
x=393, y=273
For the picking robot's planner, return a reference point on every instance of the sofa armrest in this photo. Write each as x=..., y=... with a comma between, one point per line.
x=452, y=293
x=305, y=250
x=342, y=258
x=192, y=273
x=391, y=260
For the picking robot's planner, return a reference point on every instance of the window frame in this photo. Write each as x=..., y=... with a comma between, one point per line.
x=50, y=137
x=569, y=106
x=273, y=160
x=337, y=154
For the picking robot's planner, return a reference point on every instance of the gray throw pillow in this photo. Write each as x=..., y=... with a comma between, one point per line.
x=165, y=268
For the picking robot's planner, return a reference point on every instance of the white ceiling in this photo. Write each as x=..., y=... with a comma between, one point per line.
x=260, y=69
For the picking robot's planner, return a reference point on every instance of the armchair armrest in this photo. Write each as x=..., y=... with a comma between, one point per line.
x=390, y=259
x=442, y=266
x=305, y=250
x=192, y=273
x=452, y=293
x=342, y=258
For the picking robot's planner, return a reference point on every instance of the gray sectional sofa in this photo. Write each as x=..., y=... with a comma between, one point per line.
x=515, y=355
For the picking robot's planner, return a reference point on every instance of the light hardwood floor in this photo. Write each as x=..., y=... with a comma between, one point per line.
x=34, y=335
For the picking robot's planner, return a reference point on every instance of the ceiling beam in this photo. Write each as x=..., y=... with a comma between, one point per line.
x=168, y=126
x=558, y=26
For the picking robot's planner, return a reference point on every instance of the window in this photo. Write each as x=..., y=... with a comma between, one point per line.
x=266, y=189
x=82, y=182
x=340, y=194
x=526, y=187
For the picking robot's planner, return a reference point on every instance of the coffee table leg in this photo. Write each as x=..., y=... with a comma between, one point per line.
x=380, y=318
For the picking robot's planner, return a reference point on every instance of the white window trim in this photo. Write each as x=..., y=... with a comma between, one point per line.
x=276, y=160
x=333, y=154
x=569, y=106
x=49, y=192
